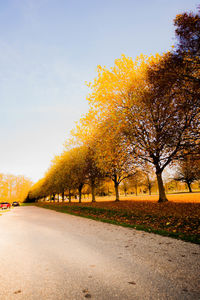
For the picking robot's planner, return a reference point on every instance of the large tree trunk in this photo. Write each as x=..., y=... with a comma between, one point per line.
x=162, y=195
x=116, y=183
x=189, y=186
x=93, y=190
x=80, y=192
x=117, y=192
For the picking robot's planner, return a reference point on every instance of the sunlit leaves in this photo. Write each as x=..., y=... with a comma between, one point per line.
x=14, y=188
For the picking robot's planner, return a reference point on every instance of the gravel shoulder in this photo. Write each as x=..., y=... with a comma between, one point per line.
x=50, y=255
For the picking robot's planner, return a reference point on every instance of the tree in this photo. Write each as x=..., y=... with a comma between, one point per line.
x=125, y=186
x=174, y=95
x=14, y=187
x=101, y=123
x=68, y=171
x=85, y=135
x=163, y=123
x=112, y=155
x=187, y=51
x=79, y=168
x=188, y=171
x=59, y=179
x=93, y=173
x=136, y=180
x=187, y=33
x=149, y=177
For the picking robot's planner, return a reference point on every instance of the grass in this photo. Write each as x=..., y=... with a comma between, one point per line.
x=175, y=219
x=173, y=197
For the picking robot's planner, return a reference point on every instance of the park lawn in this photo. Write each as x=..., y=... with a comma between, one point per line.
x=175, y=197
x=176, y=219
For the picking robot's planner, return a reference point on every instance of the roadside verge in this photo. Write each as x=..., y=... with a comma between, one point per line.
x=176, y=220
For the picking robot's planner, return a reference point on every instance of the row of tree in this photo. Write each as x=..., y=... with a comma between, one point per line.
x=143, y=114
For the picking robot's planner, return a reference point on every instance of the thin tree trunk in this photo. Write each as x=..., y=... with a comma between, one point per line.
x=69, y=196
x=93, y=190
x=149, y=184
x=80, y=192
x=53, y=197
x=189, y=186
x=63, y=196
x=136, y=189
x=149, y=190
x=162, y=195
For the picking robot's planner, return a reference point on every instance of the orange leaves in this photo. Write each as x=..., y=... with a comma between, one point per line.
x=111, y=86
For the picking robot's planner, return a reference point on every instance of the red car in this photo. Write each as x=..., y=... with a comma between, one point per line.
x=5, y=205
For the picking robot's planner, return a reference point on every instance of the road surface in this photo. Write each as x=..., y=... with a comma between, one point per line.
x=50, y=255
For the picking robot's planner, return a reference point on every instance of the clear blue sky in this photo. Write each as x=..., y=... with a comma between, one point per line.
x=48, y=49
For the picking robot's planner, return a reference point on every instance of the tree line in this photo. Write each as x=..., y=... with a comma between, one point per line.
x=14, y=188
x=143, y=115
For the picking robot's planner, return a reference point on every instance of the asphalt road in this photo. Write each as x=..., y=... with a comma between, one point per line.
x=49, y=255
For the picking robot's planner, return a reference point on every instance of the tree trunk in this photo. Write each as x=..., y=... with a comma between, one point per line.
x=116, y=188
x=149, y=190
x=189, y=186
x=69, y=196
x=63, y=196
x=162, y=195
x=80, y=192
x=149, y=184
x=136, y=189
x=93, y=190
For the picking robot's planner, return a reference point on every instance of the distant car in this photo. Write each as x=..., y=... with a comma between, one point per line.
x=15, y=203
x=5, y=205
